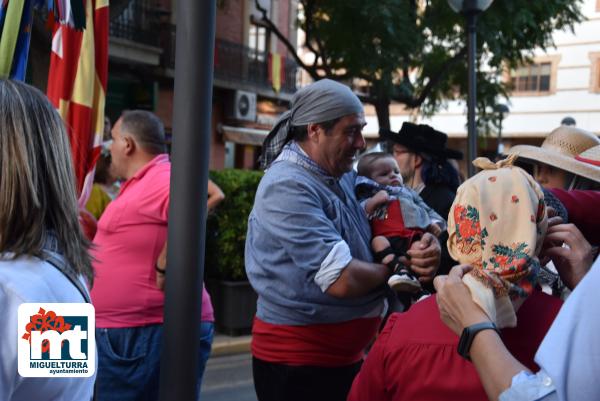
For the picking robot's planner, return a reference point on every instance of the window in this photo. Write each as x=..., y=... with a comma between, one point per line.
x=532, y=78
x=259, y=36
x=597, y=76
x=595, y=72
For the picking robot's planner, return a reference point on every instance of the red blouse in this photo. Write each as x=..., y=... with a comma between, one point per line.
x=415, y=356
x=583, y=210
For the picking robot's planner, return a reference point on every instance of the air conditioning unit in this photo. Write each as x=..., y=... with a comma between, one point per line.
x=242, y=106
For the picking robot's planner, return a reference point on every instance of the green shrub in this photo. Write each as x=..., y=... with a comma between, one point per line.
x=226, y=227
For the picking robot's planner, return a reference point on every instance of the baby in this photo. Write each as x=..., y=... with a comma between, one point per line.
x=398, y=216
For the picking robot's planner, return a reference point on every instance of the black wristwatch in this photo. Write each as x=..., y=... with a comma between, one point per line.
x=469, y=333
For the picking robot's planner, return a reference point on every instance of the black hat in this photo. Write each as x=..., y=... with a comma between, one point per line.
x=421, y=138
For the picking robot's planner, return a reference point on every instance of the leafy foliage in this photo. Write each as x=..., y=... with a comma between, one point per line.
x=226, y=228
x=414, y=51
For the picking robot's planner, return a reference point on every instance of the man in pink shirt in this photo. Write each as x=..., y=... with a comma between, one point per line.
x=131, y=234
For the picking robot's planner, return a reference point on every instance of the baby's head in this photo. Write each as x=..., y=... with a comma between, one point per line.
x=380, y=167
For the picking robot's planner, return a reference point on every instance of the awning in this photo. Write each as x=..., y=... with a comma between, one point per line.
x=242, y=135
x=255, y=137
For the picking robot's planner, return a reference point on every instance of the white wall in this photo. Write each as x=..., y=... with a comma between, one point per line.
x=535, y=116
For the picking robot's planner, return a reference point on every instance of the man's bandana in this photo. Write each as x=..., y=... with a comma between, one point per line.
x=322, y=101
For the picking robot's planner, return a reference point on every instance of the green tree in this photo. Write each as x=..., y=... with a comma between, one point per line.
x=414, y=52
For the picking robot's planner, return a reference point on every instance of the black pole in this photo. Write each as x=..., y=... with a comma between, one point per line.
x=499, y=147
x=187, y=209
x=472, y=96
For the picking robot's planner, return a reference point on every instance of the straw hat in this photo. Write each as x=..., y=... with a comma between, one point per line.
x=560, y=149
x=590, y=156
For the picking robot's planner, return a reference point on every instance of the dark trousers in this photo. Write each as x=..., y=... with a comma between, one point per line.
x=278, y=382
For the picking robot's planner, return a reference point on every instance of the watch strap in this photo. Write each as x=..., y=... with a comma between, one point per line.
x=468, y=335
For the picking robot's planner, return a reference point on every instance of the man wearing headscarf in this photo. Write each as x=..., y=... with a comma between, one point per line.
x=320, y=296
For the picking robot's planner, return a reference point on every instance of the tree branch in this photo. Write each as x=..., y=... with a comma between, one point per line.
x=413, y=102
x=308, y=30
x=312, y=70
x=320, y=51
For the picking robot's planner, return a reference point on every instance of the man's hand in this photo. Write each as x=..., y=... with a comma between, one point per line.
x=161, y=263
x=457, y=308
x=424, y=257
x=553, y=220
x=571, y=253
x=434, y=229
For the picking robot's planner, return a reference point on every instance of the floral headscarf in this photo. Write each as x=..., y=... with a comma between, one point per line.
x=497, y=224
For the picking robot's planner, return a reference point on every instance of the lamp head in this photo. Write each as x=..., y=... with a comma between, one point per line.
x=469, y=6
x=501, y=109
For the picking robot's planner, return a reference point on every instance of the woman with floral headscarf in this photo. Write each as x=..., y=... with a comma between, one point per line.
x=497, y=224
x=569, y=356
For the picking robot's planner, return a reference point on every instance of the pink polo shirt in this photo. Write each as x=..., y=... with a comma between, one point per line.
x=131, y=233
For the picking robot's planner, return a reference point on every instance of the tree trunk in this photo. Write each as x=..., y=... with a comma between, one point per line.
x=382, y=108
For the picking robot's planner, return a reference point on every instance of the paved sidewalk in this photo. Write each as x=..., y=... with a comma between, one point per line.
x=228, y=345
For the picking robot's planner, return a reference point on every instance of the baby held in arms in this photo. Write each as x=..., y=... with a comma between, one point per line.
x=398, y=216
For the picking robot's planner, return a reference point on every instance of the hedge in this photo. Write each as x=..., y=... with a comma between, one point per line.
x=226, y=227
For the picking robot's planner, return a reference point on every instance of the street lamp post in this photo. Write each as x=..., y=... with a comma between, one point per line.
x=471, y=9
x=196, y=21
x=569, y=121
x=501, y=109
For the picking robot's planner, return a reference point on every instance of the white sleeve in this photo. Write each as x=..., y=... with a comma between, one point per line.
x=338, y=258
x=9, y=378
x=530, y=387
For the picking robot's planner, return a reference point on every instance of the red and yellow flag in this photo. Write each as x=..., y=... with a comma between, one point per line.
x=276, y=71
x=77, y=84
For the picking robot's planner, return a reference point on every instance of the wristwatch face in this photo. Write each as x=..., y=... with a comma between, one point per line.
x=464, y=344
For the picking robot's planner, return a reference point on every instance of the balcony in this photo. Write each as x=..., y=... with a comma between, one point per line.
x=235, y=62
x=240, y=67
x=133, y=31
x=138, y=21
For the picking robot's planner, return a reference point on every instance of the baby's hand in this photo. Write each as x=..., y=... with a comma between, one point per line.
x=380, y=198
x=434, y=229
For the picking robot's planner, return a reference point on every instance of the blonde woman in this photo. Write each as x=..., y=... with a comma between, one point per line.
x=38, y=224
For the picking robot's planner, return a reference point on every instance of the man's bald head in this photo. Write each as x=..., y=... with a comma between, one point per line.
x=147, y=130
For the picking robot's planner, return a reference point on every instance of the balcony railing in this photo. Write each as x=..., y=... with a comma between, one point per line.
x=240, y=64
x=138, y=21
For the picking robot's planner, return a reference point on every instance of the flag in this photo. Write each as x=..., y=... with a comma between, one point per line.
x=16, y=17
x=276, y=71
x=77, y=80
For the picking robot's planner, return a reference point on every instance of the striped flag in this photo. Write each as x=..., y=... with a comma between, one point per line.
x=276, y=71
x=16, y=17
x=77, y=79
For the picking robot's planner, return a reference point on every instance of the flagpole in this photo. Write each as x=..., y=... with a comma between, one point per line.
x=187, y=210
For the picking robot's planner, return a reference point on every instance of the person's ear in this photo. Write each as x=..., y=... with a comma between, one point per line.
x=313, y=132
x=418, y=160
x=130, y=145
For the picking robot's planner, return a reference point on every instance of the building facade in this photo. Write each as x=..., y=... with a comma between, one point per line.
x=254, y=77
x=562, y=82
